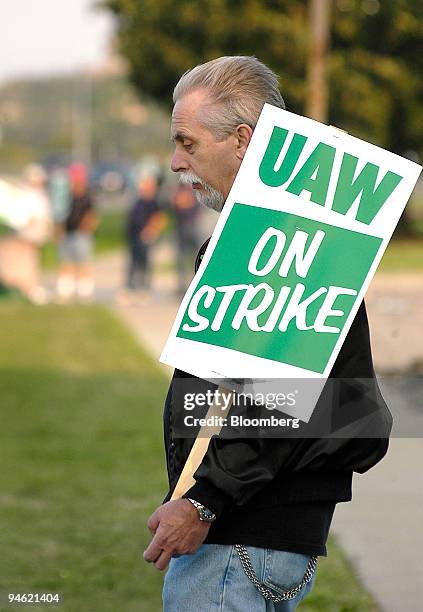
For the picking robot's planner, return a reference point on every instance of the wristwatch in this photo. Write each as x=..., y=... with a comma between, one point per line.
x=204, y=513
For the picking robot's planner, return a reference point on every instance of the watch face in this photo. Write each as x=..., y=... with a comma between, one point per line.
x=207, y=514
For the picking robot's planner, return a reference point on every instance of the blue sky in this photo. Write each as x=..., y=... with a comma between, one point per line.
x=39, y=37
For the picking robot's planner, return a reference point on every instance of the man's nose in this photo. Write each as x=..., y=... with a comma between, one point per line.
x=178, y=162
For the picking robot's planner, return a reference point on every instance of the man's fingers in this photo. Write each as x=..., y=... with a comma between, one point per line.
x=151, y=529
x=163, y=561
x=152, y=551
x=153, y=523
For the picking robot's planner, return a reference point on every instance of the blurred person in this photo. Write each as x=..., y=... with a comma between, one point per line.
x=144, y=224
x=247, y=534
x=75, y=237
x=59, y=195
x=34, y=232
x=185, y=208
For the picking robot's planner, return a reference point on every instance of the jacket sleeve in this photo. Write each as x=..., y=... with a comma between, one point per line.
x=234, y=470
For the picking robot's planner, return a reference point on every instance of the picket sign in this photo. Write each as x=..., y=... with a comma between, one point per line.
x=303, y=229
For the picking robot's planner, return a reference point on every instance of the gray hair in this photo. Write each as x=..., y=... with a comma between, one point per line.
x=238, y=85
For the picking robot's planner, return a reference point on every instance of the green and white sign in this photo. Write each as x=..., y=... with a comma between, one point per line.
x=304, y=227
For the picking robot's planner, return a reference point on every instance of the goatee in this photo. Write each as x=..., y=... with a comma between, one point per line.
x=210, y=197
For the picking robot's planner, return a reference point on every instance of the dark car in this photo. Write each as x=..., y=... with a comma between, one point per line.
x=110, y=177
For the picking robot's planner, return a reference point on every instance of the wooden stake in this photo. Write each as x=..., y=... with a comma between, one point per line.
x=201, y=444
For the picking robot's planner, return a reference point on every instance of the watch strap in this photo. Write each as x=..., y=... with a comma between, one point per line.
x=204, y=513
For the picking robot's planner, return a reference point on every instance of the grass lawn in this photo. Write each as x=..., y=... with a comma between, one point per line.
x=83, y=466
x=81, y=457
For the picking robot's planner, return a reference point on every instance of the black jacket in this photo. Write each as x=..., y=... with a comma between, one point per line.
x=258, y=472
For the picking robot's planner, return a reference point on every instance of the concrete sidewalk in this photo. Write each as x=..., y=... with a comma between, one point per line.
x=381, y=530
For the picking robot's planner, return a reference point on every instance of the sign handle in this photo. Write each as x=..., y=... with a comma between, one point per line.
x=201, y=444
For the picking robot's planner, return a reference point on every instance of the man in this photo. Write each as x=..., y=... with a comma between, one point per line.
x=75, y=237
x=246, y=535
x=185, y=212
x=144, y=225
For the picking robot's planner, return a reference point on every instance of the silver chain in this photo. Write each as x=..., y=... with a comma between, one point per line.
x=264, y=590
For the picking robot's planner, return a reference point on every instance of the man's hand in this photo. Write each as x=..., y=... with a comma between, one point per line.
x=177, y=530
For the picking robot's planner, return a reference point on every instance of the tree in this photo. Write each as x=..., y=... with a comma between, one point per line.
x=375, y=64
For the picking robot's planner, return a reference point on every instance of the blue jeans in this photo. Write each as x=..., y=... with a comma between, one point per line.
x=213, y=580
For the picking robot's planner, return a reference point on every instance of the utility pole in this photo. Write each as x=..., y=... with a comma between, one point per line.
x=319, y=28
x=82, y=118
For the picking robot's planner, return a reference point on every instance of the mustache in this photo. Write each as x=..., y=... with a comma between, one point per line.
x=188, y=178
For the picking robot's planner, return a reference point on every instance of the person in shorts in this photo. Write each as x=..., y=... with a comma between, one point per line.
x=76, y=236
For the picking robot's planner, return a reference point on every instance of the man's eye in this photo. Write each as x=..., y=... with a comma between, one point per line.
x=188, y=146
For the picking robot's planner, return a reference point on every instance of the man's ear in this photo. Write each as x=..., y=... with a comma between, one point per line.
x=243, y=135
